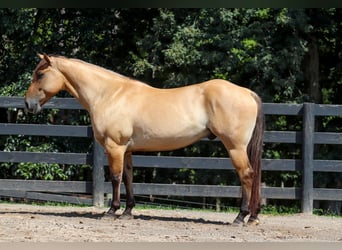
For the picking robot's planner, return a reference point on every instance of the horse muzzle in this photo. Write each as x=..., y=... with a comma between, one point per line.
x=32, y=105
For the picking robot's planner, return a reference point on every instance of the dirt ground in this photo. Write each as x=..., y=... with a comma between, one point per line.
x=28, y=223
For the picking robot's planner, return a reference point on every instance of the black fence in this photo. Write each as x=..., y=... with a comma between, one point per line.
x=60, y=190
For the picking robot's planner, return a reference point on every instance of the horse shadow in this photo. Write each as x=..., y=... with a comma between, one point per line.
x=103, y=216
x=179, y=219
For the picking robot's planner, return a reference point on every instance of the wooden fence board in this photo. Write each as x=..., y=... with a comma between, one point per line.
x=53, y=103
x=47, y=186
x=36, y=157
x=283, y=136
x=46, y=197
x=327, y=110
x=13, y=193
x=206, y=190
x=181, y=162
x=45, y=130
x=288, y=193
x=59, y=198
x=327, y=138
x=11, y=102
x=282, y=109
x=181, y=190
x=210, y=163
x=327, y=194
x=282, y=165
x=327, y=165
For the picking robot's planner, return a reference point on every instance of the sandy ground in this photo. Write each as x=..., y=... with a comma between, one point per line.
x=28, y=223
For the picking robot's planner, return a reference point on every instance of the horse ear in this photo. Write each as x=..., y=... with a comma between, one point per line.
x=45, y=57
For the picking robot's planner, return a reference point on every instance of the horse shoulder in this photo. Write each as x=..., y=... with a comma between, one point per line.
x=111, y=124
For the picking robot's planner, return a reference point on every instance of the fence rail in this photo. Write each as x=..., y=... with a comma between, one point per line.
x=62, y=190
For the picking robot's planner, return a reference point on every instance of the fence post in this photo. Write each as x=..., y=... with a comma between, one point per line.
x=98, y=175
x=308, y=154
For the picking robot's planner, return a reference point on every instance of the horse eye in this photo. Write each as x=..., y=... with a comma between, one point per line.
x=39, y=75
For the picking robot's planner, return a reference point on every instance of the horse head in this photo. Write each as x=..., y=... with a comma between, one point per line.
x=47, y=81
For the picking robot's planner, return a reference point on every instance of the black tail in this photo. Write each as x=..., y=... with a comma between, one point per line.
x=254, y=150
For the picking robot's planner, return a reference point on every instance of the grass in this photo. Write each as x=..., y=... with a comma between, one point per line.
x=44, y=203
x=279, y=210
x=173, y=207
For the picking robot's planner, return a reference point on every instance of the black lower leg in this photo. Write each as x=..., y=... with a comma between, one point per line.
x=128, y=180
x=254, y=219
x=130, y=203
x=115, y=205
x=244, y=210
x=241, y=217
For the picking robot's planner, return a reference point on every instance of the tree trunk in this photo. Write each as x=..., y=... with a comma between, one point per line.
x=311, y=72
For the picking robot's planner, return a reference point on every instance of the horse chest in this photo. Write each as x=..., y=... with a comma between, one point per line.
x=118, y=131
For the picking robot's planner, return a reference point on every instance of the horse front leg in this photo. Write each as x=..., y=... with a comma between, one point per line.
x=128, y=179
x=116, y=161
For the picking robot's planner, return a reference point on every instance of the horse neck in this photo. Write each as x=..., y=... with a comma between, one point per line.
x=86, y=82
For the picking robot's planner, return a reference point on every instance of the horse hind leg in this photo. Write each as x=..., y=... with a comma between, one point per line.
x=241, y=163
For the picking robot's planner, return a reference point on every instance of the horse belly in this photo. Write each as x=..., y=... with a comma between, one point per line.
x=166, y=138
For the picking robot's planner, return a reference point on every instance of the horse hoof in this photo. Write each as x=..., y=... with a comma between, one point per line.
x=253, y=222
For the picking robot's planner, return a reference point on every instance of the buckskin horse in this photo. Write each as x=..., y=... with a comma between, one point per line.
x=128, y=115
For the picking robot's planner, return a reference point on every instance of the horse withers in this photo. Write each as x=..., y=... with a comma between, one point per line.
x=128, y=115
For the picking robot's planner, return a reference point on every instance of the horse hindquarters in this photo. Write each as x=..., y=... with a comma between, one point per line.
x=249, y=169
x=236, y=118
